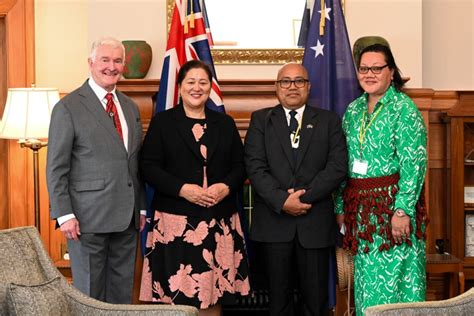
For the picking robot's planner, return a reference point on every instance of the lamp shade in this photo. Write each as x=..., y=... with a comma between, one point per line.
x=27, y=113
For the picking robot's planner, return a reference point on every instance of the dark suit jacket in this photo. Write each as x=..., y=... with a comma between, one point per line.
x=89, y=171
x=170, y=159
x=320, y=167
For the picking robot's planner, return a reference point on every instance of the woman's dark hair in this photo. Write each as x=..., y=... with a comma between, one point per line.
x=378, y=48
x=193, y=64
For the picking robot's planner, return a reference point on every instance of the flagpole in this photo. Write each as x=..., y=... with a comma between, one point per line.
x=322, y=21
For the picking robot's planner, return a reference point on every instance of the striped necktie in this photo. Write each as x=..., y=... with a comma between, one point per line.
x=111, y=110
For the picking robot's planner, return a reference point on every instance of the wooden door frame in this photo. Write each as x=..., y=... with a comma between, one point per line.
x=17, y=55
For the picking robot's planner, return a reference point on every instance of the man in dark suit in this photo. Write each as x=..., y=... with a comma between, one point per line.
x=92, y=174
x=295, y=157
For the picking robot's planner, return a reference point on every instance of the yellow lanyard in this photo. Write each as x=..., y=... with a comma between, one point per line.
x=363, y=128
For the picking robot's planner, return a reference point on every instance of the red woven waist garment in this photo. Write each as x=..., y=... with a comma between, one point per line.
x=373, y=183
x=374, y=197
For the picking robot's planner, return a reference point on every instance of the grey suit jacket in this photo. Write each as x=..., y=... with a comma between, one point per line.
x=89, y=171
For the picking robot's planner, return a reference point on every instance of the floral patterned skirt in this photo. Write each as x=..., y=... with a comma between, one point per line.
x=193, y=261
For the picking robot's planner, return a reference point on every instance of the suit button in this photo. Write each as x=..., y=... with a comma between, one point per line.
x=129, y=184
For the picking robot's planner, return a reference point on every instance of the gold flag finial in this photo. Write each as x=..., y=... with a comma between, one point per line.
x=191, y=15
x=322, y=21
x=188, y=18
x=185, y=16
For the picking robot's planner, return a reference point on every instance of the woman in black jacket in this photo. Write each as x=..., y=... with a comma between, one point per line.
x=193, y=157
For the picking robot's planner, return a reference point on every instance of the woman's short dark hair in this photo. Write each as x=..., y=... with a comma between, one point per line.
x=378, y=48
x=193, y=64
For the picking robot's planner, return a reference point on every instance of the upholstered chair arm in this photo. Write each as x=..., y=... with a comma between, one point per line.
x=459, y=305
x=81, y=304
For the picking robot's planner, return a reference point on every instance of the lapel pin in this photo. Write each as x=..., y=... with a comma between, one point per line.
x=309, y=126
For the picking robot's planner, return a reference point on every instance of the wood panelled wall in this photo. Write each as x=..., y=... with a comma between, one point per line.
x=439, y=165
x=17, y=70
x=3, y=144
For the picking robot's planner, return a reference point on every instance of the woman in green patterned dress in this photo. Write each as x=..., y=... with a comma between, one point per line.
x=382, y=200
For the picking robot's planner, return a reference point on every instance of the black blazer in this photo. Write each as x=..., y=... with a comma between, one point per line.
x=320, y=167
x=169, y=160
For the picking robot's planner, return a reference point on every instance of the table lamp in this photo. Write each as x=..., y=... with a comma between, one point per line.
x=26, y=118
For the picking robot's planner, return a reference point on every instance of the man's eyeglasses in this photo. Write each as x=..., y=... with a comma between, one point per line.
x=375, y=69
x=286, y=83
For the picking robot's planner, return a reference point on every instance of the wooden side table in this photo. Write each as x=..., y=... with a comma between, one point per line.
x=64, y=267
x=446, y=263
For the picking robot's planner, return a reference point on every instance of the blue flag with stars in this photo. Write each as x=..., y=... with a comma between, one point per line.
x=328, y=59
x=331, y=70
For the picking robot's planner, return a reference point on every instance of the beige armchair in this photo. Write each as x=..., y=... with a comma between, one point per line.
x=30, y=284
x=459, y=305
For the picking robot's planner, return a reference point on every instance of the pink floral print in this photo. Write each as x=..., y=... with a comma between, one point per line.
x=161, y=293
x=225, y=249
x=196, y=236
x=145, y=287
x=223, y=262
x=183, y=282
x=198, y=131
x=167, y=228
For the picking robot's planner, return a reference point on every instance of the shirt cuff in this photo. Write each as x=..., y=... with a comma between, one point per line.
x=62, y=219
x=143, y=212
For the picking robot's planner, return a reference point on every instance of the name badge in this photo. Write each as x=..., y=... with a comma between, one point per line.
x=360, y=167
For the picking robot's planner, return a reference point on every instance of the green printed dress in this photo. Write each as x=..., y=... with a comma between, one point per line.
x=394, y=142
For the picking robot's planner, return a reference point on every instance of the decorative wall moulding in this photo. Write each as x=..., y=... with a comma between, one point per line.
x=6, y=5
x=257, y=56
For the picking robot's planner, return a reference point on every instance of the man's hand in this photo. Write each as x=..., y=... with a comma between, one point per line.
x=293, y=205
x=196, y=194
x=142, y=222
x=70, y=229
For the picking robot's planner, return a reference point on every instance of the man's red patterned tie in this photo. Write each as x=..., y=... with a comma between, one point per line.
x=111, y=110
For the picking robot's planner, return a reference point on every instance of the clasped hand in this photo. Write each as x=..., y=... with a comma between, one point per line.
x=400, y=228
x=293, y=205
x=204, y=197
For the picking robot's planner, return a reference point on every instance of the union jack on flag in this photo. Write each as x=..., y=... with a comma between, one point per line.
x=187, y=40
x=206, y=23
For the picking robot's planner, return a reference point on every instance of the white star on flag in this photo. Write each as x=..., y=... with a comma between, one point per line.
x=318, y=49
x=326, y=12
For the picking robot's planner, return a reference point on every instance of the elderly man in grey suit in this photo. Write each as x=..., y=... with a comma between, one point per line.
x=92, y=173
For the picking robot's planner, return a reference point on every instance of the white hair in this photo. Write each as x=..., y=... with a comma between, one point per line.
x=110, y=41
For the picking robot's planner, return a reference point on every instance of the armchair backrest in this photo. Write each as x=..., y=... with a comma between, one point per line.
x=23, y=260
